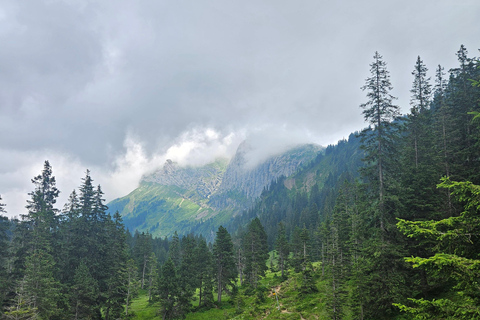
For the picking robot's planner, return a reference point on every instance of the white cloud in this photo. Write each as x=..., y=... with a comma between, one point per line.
x=117, y=86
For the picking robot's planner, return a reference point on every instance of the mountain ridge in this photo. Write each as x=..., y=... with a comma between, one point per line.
x=176, y=198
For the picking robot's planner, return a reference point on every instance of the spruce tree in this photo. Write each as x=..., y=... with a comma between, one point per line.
x=455, y=259
x=188, y=273
x=132, y=283
x=256, y=252
x=116, y=293
x=4, y=255
x=174, y=250
x=37, y=283
x=420, y=101
x=141, y=252
x=383, y=255
x=224, y=262
x=84, y=293
x=282, y=248
x=379, y=112
x=206, y=273
x=168, y=290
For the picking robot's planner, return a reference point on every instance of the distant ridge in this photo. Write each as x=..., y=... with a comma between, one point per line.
x=176, y=198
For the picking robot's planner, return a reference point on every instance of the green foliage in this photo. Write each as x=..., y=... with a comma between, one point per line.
x=256, y=252
x=457, y=239
x=84, y=293
x=226, y=272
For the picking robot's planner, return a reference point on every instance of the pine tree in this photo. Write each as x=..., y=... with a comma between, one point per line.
x=455, y=260
x=168, y=290
x=256, y=252
x=379, y=111
x=4, y=255
x=152, y=275
x=84, y=294
x=37, y=283
x=224, y=262
x=142, y=251
x=188, y=273
x=420, y=161
x=132, y=283
x=40, y=286
x=420, y=100
x=206, y=275
x=282, y=248
x=41, y=218
x=68, y=239
x=174, y=250
x=21, y=306
x=117, y=284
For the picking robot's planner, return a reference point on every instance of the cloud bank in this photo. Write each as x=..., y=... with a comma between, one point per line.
x=119, y=86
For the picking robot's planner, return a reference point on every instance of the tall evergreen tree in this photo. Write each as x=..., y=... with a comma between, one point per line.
x=455, y=260
x=168, y=290
x=84, y=294
x=41, y=217
x=282, y=248
x=38, y=285
x=224, y=261
x=117, y=285
x=420, y=100
x=4, y=246
x=379, y=111
x=206, y=273
x=132, y=283
x=256, y=252
x=174, y=251
x=141, y=252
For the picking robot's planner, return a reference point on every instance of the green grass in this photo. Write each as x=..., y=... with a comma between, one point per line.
x=247, y=305
x=141, y=309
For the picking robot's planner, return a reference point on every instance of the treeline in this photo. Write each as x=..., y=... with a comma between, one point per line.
x=416, y=196
x=80, y=263
x=63, y=264
x=395, y=225
x=407, y=205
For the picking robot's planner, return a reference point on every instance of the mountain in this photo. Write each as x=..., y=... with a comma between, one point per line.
x=177, y=198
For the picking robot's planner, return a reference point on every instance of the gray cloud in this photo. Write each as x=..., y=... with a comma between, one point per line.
x=79, y=79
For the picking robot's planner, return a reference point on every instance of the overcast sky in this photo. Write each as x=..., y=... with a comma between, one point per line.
x=118, y=86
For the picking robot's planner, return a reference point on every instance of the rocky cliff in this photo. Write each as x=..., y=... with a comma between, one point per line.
x=204, y=181
x=243, y=182
x=178, y=198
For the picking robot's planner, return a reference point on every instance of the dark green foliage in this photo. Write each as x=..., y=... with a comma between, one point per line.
x=84, y=293
x=168, y=290
x=455, y=258
x=132, y=284
x=282, y=248
x=223, y=254
x=4, y=255
x=141, y=253
x=337, y=210
x=205, y=270
x=256, y=252
x=378, y=141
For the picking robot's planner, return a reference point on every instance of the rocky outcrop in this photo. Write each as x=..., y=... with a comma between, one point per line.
x=204, y=181
x=243, y=183
x=180, y=198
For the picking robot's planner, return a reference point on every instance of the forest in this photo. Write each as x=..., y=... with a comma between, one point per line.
x=393, y=233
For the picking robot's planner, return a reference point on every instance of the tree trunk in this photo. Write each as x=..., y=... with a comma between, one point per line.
x=219, y=292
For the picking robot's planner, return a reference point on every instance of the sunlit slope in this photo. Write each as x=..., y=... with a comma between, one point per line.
x=176, y=198
x=159, y=209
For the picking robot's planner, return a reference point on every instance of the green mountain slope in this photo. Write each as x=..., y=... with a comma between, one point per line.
x=176, y=198
x=172, y=198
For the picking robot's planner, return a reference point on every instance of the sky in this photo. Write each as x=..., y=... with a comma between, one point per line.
x=119, y=86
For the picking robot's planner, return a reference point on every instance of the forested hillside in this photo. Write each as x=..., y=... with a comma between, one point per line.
x=384, y=225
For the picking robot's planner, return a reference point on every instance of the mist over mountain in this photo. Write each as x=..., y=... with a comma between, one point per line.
x=177, y=197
